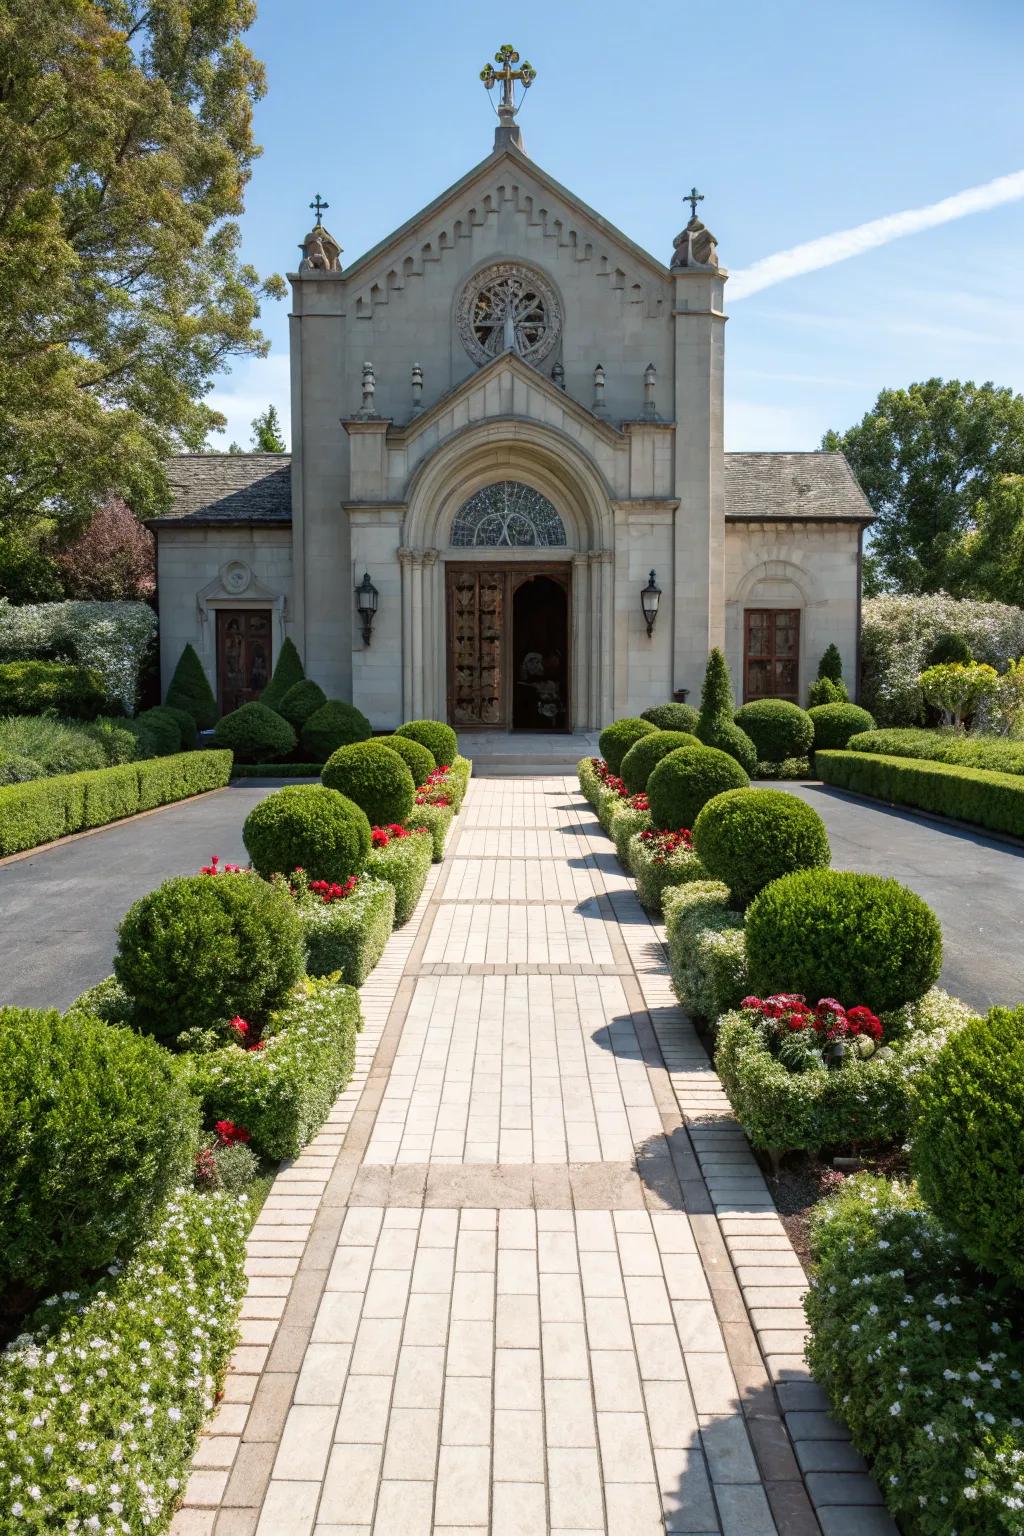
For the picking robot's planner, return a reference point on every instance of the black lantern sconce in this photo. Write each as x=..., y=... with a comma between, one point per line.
x=650, y=599
x=366, y=602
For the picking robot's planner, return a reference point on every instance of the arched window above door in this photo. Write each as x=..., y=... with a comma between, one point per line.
x=508, y=514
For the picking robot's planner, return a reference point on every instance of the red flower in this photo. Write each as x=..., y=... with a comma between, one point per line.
x=240, y=1027
x=395, y=829
x=378, y=837
x=260, y=1045
x=228, y=1133
x=330, y=890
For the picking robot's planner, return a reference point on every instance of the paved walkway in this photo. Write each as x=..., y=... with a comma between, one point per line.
x=528, y=1278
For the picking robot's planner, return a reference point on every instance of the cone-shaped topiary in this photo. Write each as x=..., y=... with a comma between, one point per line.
x=777, y=728
x=310, y=827
x=438, y=738
x=824, y=691
x=715, y=726
x=288, y=670
x=671, y=717
x=335, y=724
x=375, y=778
x=637, y=764
x=616, y=739
x=834, y=724
x=302, y=700
x=749, y=837
x=684, y=781
x=831, y=663
x=417, y=758
x=255, y=734
x=190, y=690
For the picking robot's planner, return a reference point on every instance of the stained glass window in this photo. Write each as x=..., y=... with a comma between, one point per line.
x=509, y=514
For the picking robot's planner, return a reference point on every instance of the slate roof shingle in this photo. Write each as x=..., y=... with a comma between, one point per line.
x=228, y=488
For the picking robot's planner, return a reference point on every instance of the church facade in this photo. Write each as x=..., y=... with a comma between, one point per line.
x=507, y=420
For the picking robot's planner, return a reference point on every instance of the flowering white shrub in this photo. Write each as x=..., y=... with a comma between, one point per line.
x=112, y=638
x=101, y=1404
x=898, y=633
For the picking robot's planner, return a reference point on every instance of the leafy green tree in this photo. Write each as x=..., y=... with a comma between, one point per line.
x=125, y=147
x=266, y=432
x=924, y=456
x=988, y=560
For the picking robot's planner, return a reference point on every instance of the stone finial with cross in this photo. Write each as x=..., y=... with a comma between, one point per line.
x=508, y=77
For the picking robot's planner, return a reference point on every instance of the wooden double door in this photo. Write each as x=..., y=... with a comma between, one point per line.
x=244, y=655
x=508, y=629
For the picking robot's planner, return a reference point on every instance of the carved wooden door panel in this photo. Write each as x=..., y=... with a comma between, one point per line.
x=243, y=655
x=477, y=606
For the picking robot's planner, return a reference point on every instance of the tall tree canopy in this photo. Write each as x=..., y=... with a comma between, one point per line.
x=125, y=147
x=266, y=432
x=925, y=456
x=988, y=561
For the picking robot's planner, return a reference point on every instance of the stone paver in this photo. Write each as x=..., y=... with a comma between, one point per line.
x=528, y=1278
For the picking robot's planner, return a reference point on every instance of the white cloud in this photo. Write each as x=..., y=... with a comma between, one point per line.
x=245, y=393
x=829, y=249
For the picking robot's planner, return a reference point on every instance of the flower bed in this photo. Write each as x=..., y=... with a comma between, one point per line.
x=403, y=859
x=628, y=817
x=706, y=952
x=800, y=1079
x=283, y=1092
x=923, y=1359
x=457, y=781
x=659, y=860
x=436, y=818
x=344, y=927
x=103, y=1396
x=45, y=809
x=993, y=800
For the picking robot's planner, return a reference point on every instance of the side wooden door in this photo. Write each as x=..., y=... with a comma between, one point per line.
x=243, y=656
x=477, y=608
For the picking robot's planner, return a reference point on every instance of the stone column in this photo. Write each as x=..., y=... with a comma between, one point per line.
x=405, y=558
x=417, y=633
x=607, y=635
x=429, y=662
x=584, y=662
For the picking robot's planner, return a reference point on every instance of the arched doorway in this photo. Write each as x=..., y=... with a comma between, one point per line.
x=509, y=657
x=540, y=653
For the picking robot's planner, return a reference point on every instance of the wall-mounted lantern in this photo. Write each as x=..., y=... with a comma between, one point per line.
x=650, y=599
x=366, y=602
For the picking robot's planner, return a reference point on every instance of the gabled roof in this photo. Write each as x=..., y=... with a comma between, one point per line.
x=795, y=487
x=228, y=488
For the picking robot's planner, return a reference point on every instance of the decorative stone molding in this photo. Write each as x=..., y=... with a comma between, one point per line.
x=236, y=587
x=236, y=577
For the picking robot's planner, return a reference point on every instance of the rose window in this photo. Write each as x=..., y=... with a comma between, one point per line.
x=509, y=308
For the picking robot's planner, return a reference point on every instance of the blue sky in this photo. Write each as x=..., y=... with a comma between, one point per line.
x=797, y=118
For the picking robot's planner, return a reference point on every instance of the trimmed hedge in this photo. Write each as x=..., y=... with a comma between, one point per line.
x=436, y=819
x=749, y=837
x=968, y=1145
x=300, y=701
x=309, y=827
x=96, y=1128
x=347, y=937
x=335, y=724
x=993, y=800
x=439, y=739
x=590, y=784
x=254, y=732
x=625, y=822
x=706, y=952
x=834, y=724
x=777, y=728
x=616, y=739
x=174, y=1306
x=277, y=770
x=31, y=687
x=45, y=809
x=376, y=778
x=457, y=780
x=404, y=864
x=417, y=758
x=646, y=753
x=283, y=1094
x=654, y=876
x=789, y=768
x=996, y=754
x=686, y=780
x=189, y=689
x=672, y=717
x=863, y=939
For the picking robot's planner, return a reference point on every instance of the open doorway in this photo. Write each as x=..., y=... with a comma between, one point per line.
x=540, y=654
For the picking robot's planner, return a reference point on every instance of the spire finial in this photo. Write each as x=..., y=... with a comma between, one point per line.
x=318, y=205
x=507, y=131
x=693, y=197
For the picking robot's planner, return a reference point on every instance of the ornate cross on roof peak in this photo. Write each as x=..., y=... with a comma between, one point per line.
x=693, y=197
x=318, y=205
x=507, y=76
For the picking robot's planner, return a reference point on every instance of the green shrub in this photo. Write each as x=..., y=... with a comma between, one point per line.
x=646, y=752
x=175, y=1301
x=993, y=800
x=922, y=1362
x=590, y=783
x=616, y=739
x=834, y=724
x=715, y=725
x=968, y=1146
x=189, y=689
x=30, y=687
x=948, y=647
x=435, y=819
x=277, y=770
x=723, y=736
x=626, y=821
x=609, y=803
x=95, y=1129
x=777, y=728
x=997, y=754
x=283, y=1094
x=331, y=726
x=417, y=758
x=656, y=869
x=404, y=863
x=288, y=670
x=457, y=781
x=824, y=691
x=707, y=959
x=306, y=826
x=186, y=727
x=202, y=948
x=235, y=1166
x=109, y=795
x=255, y=734
x=375, y=778
x=302, y=700
x=173, y=778
x=157, y=733
x=117, y=743
x=439, y=739
x=347, y=937
x=749, y=837
x=20, y=770
x=686, y=780
x=672, y=717
x=862, y=939
x=58, y=746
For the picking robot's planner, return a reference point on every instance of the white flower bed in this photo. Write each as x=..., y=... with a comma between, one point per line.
x=113, y=638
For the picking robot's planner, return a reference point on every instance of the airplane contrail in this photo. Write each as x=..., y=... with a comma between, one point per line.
x=829, y=249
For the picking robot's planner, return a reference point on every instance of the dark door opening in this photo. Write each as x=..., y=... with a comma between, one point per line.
x=243, y=655
x=540, y=655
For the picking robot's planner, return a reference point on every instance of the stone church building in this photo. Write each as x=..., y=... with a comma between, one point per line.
x=507, y=419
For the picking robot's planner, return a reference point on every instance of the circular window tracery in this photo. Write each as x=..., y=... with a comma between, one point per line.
x=509, y=307
x=508, y=514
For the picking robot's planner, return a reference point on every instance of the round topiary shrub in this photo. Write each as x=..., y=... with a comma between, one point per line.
x=417, y=758
x=616, y=739
x=96, y=1127
x=646, y=752
x=684, y=781
x=948, y=646
x=834, y=724
x=749, y=837
x=968, y=1142
x=185, y=723
x=375, y=778
x=302, y=700
x=335, y=724
x=255, y=734
x=198, y=950
x=157, y=732
x=726, y=737
x=777, y=728
x=671, y=717
x=439, y=739
x=862, y=939
x=310, y=827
